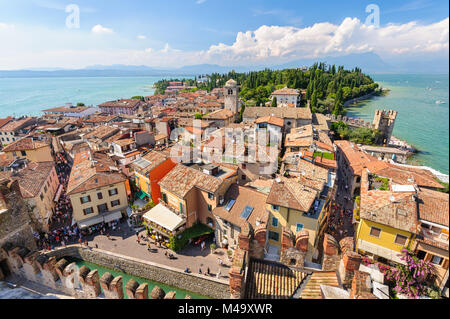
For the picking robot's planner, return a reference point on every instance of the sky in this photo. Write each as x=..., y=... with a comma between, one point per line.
x=161, y=33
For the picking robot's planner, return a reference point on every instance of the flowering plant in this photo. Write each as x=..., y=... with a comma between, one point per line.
x=410, y=278
x=366, y=261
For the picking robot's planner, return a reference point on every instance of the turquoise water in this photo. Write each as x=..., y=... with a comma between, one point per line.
x=126, y=277
x=29, y=96
x=420, y=121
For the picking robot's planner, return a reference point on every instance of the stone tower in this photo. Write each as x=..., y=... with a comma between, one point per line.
x=384, y=122
x=231, y=93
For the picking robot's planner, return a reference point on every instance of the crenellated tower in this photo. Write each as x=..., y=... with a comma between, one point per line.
x=384, y=121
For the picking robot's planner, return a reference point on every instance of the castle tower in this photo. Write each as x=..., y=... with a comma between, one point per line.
x=231, y=93
x=384, y=121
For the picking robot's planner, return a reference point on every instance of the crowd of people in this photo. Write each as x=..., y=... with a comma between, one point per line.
x=340, y=222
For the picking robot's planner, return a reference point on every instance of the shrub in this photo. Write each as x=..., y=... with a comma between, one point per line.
x=408, y=279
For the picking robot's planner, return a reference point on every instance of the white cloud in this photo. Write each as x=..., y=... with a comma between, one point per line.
x=4, y=26
x=266, y=44
x=141, y=37
x=326, y=39
x=200, y=1
x=99, y=29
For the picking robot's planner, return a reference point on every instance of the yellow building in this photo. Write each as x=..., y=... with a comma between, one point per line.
x=388, y=219
x=97, y=190
x=33, y=151
x=296, y=207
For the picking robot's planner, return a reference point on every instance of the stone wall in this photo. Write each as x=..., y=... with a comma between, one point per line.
x=52, y=269
x=167, y=275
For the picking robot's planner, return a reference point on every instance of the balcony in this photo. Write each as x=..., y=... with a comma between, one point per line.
x=434, y=234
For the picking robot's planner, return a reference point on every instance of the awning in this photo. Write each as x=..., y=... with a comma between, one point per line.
x=112, y=216
x=141, y=194
x=90, y=221
x=164, y=217
x=58, y=193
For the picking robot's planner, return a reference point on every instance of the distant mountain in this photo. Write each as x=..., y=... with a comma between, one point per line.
x=369, y=62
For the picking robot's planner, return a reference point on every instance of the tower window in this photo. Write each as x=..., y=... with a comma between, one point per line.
x=230, y=91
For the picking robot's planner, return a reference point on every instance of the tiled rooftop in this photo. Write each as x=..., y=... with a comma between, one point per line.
x=243, y=197
x=24, y=144
x=290, y=193
x=181, y=179
x=32, y=178
x=267, y=280
x=92, y=170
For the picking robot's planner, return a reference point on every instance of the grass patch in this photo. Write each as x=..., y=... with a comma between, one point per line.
x=325, y=155
x=180, y=241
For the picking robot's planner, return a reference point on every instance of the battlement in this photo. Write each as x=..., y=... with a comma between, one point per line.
x=83, y=282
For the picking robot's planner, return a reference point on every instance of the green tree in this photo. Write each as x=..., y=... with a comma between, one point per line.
x=274, y=101
x=198, y=116
x=80, y=104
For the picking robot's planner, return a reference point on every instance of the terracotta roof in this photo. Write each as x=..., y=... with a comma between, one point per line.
x=433, y=206
x=92, y=170
x=24, y=144
x=285, y=91
x=401, y=176
x=312, y=288
x=271, y=120
x=149, y=161
x=125, y=141
x=289, y=193
x=221, y=114
x=32, y=178
x=395, y=209
x=127, y=103
x=160, y=137
x=357, y=159
x=280, y=112
x=101, y=132
x=14, y=125
x=181, y=179
x=269, y=280
x=243, y=197
x=5, y=120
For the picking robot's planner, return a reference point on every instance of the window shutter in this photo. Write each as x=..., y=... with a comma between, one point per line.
x=445, y=264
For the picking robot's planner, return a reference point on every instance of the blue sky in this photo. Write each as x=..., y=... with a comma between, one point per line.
x=157, y=32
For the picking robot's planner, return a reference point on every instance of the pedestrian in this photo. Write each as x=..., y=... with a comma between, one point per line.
x=218, y=274
x=96, y=246
x=138, y=240
x=208, y=271
x=148, y=246
x=200, y=271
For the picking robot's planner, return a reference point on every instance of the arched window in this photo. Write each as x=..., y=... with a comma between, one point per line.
x=230, y=91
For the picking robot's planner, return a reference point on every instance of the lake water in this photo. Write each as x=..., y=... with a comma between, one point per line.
x=420, y=121
x=29, y=96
